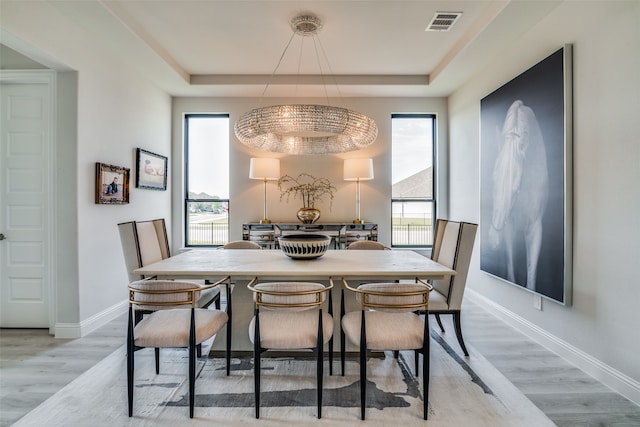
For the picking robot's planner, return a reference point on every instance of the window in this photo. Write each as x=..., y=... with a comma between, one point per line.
x=412, y=201
x=206, y=179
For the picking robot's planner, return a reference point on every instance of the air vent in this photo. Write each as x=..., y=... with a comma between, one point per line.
x=443, y=21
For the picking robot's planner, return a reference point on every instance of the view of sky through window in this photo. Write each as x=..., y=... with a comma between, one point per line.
x=209, y=156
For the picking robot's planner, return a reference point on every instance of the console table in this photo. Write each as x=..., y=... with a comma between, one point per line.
x=342, y=234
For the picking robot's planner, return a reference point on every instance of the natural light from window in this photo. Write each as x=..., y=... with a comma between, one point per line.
x=207, y=184
x=412, y=192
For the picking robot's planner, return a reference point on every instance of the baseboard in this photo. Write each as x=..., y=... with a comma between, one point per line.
x=79, y=330
x=616, y=380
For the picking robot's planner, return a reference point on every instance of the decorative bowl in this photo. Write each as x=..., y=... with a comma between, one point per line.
x=304, y=246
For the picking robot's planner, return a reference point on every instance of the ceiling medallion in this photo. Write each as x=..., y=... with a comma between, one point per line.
x=305, y=128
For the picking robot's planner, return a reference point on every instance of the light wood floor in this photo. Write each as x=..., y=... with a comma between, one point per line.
x=33, y=366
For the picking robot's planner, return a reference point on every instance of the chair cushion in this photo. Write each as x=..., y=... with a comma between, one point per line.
x=286, y=329
x=437, y=301
x=207, y=296
x=170, y=328
x=391, y=299
x=385, y=331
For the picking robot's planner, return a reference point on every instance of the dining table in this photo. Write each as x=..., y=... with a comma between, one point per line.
x=242, y=265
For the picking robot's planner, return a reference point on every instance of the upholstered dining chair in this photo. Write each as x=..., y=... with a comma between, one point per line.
x=290, y=316
x=452, y=247
x=388, y=320
x=146, y=242
x=173, y=322
x=367, y=245
x=242, y=244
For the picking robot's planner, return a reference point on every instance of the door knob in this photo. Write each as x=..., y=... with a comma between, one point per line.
x=2, y=236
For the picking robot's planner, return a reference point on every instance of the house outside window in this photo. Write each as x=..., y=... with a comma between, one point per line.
x=206, y=204
x=413, y=204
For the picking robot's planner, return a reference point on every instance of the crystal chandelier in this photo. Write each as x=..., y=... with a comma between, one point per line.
x=305, y=128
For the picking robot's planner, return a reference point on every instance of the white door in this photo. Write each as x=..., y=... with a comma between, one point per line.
x=24, y=209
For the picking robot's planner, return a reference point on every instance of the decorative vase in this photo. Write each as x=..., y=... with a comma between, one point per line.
x=308, y=215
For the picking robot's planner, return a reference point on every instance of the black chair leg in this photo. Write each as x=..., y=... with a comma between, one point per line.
x=396, y=354
x=256, y=363
x=330, y=339
x=157, y=352
x=342, y=335
x=363, y=366
x=426, y=364
x=130, y=362
x=439, y=322
x=458, y=325
x=331, y=356
x=229, y=330
x=192, y=363
x=417, y=360
x=319, y=362
x=216, y=299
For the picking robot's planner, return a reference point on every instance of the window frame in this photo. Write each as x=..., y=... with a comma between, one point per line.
x=431, y=200
x=187, y=200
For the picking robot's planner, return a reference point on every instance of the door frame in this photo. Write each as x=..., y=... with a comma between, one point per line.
x=48, y=78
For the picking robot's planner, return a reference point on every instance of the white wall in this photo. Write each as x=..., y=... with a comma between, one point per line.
x=602, y=324
x=106, y=110
x=246, y=203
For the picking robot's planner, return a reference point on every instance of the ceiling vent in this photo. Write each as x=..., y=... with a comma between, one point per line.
x=443, y=21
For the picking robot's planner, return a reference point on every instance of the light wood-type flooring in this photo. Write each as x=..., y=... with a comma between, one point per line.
x=33, y=366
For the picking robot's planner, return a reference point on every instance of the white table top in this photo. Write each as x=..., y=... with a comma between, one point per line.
x=274, y=264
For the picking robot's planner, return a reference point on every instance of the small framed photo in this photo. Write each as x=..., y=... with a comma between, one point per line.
x=112, y=184
x=151, y=170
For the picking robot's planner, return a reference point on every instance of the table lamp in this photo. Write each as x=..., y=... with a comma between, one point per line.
x=267, y=170
x=358, y=170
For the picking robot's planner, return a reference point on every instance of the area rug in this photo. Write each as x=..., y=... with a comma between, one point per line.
x=464, y=391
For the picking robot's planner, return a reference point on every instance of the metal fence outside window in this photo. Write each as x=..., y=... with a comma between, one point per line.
x=208, y=233
x=412, y=235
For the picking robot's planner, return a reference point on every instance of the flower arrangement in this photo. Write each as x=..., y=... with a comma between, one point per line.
x=309, y=188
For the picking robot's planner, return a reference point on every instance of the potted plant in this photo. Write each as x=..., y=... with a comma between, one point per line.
x=310, y=190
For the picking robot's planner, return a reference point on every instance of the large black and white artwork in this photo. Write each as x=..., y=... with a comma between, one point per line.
x=525, y=168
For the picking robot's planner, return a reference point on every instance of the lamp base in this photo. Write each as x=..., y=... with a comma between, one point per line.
x=265, y=221
x=358, y=221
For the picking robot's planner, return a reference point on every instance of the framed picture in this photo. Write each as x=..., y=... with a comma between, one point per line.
x=112, y=184
x=526, y=179
x=151, y=170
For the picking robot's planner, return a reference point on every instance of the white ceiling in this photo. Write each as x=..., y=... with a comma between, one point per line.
x=373, y=48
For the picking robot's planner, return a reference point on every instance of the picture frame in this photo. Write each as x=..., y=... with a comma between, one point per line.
x=151, y=170
x=112, y=184
x=526, y=179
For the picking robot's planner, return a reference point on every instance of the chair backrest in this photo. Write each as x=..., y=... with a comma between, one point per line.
x=367, y=245
x=146, y=294
x=242, y=244
x=289, y=295
x=437, y=238
x=393, y=296
x=143, y=243
x=452, y=248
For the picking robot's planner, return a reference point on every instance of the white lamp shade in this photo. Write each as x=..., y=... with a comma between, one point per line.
x=358, y=169
x=264, y=168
